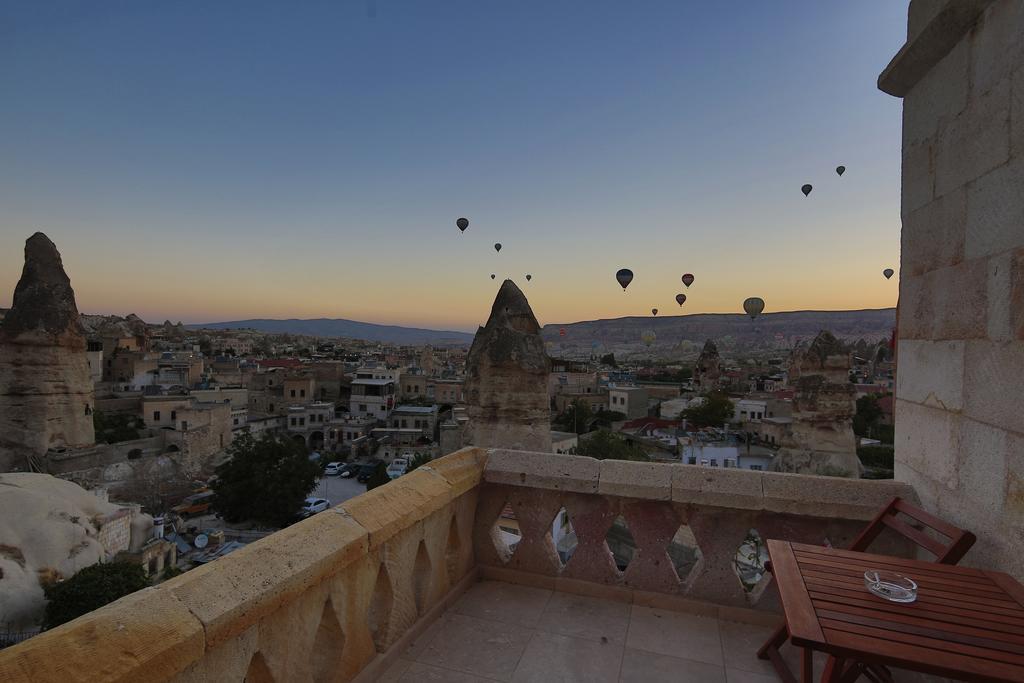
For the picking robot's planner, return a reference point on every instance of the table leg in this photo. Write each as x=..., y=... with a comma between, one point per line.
x=833, y=672
x=806, y=665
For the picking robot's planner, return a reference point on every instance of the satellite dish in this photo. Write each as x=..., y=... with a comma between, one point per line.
x=202, y=540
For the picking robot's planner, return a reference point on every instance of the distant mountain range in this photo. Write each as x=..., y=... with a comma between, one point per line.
x=728, y=330
x=339, y=327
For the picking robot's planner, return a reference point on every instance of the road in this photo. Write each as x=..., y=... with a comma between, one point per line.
x=337, y=490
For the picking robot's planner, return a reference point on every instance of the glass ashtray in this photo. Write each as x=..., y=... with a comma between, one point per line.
x=890, y=585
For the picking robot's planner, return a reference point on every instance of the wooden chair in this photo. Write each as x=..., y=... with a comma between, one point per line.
x=950, y=552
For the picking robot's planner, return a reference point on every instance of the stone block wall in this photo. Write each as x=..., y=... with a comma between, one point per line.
x=959, y=414
x=316, y=601
x=664, y=506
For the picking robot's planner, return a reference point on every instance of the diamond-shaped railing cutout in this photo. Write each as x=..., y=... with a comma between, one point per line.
x=452, y=550
x=379, y=615
x=506, y=533
x=684, y=552
x=421, y=575
x=328, y=644
x=749, y=564
x=620, y=543
x=563, y=536
x=258, y=671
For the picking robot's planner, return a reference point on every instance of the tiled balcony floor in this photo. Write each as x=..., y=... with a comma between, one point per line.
x=505, y=632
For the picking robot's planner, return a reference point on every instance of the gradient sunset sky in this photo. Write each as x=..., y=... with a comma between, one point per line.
x=205, y=161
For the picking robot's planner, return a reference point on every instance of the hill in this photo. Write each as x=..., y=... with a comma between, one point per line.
x=339, y=327
x=735, y=332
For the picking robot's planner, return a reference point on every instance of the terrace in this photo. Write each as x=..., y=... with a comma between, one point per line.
x=415, y=579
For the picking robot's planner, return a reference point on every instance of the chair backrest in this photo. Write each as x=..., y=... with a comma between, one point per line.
x=950, y=552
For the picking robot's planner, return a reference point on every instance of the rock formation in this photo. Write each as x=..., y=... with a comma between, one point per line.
x=821, y=439
x=707, y=373
x=507, y=378
x=46, y=393
x=49, y=529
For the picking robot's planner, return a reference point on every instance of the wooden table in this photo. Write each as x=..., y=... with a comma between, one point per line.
x=966, y=623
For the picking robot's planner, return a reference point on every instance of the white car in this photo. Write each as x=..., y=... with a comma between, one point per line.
x=333, y=469
x=398, y=467
x=314, y=505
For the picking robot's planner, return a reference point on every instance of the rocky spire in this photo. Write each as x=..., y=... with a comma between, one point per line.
x=506, y=378
x=820, y=439
x=46, y=392
x=44, y=310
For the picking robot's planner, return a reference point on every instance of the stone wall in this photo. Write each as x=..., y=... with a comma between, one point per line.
x=316, y=601
x=668, y=510
x=959, y=421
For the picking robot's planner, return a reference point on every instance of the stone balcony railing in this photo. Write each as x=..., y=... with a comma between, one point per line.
x=339, y=595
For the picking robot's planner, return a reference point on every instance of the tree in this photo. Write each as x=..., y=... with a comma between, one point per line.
x=90, y=588
x=116, y=427
x=716, y=410
x=576, y=417
x=417, y=460
x=609, y=359
x=607, y=445
x=605, y=418
x=867, y=415
x=379, y=477
x=265, y=480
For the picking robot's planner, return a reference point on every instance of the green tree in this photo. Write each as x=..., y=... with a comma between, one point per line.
x=379, y=477
x=576, y=417
x=417, y=460
x=116, y=427
x=607, y=445
x=265, y=480
x=609, y=359
x=867, y=415
x=716, y=410
x=90, y=588
x=605, y=418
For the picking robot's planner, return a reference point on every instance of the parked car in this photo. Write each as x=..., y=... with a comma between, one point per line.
x=315, y=505
x=349, y=470
x=367, y=470
x=398, y=467
x=196, y=504
x=333, y=469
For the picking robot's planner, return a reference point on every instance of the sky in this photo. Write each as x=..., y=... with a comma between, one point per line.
x=204, y=161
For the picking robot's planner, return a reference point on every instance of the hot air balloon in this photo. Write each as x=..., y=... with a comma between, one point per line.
x=840, y=170
x=492, y=276
x=806, y=189
x=648, y=337
x=497, y=246
x=888, y=273
x=688, y=279
x=462, y=224
x=654, y=311
x=624, y=276
x=753, y=306
x=680, y=299
x=528, y=277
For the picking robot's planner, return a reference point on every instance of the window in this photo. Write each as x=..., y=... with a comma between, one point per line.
x=156, y=416
x=235, y=421
x=184, y=425
x=302, y=393
x=293, y=393
x=174, y=415
x=404, y=424
x=293, y=422
x=362, y=407
x=271, y=407
x=302, y=422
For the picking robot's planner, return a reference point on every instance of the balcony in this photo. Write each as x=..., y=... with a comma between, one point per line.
x=616, y=571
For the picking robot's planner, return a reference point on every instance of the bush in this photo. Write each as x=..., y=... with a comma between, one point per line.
x=89, y=589
x=876, y=456
x=116, y=427
x=379, y=477
x=606, y=445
